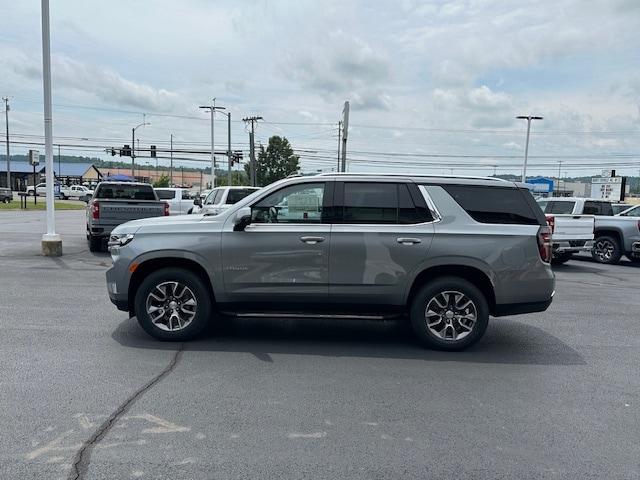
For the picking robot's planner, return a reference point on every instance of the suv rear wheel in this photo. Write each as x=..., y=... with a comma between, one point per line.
x=449, y=313
x=173, y=304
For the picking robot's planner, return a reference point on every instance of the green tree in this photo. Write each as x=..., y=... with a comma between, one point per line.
x=162, y=182
x=276, y=162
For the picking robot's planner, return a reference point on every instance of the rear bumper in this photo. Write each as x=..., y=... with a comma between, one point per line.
x=572, y=246
x=520, y=308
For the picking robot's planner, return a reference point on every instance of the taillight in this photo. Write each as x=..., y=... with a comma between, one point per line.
x=551, y=221
x=95, y=210
x=166, y=209
x=544, y=243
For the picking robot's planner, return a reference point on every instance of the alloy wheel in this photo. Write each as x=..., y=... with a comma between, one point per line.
x=603, y=249
x=171, y=306
x=451, y=315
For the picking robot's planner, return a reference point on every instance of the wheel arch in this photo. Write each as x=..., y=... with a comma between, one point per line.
x=611, y=232
x=473, y=275
x=153, y=264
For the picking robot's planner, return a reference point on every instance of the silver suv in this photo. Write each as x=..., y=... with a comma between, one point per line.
x=445, y=251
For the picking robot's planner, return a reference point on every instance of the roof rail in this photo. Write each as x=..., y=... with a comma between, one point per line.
x=386, y=174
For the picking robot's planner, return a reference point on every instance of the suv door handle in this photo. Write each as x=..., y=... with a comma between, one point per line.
x=408, y=241
x=312, y=240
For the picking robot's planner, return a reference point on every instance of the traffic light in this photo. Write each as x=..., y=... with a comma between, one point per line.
x=236, y=157
x=113, y=152
x=153, y=151
x=125, y=151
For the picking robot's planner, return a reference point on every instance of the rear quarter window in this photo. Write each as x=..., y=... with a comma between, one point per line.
x=488, y=204
x=166, y=194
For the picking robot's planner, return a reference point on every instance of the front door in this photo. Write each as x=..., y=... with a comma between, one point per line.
x=281, y=259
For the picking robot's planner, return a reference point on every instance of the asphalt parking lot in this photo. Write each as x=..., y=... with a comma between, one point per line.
x=549, y=395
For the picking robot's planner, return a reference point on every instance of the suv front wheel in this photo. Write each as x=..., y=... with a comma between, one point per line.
x=173, y=304
x=449, y=313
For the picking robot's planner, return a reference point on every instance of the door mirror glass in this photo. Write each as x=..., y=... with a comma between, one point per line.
x=242, y=218
x=197, y=202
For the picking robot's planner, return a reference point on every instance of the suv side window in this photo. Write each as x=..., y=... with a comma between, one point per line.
x=382, y=203
x=597, y=208
x=301, y=203
x=487, y=204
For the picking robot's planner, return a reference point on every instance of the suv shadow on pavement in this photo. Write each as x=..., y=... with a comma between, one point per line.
x=508, y=342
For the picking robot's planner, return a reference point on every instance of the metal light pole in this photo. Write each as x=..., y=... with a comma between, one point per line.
x=171, y=165
x=133, y=148
x=212, y=108
x=51, y=242
x=528, y=118
x=6, y=118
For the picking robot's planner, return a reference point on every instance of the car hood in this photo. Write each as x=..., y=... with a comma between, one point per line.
x=178, y=223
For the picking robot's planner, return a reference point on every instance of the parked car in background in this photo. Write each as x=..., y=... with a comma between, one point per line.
x=41, y=189
x=614, y=236
x=631, y=212
x=446, y=251
x=620, y=207
x=221, y=198
x=5, y=195
x=114, y=203
x=180, y=200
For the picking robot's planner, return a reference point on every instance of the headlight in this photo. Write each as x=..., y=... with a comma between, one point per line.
x=120, y=239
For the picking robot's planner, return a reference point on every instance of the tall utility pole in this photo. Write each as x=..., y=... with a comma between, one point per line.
x=6, y=118
x=252, y=150
x=230, y=163
x=59, y=167
x=339, y=140
x=559, y=173
x=345, y=131
x=133, y=148
x=171, y=164
x=212, y=108
x=528, y=118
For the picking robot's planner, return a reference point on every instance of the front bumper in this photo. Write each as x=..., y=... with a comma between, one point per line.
x=115, y=289
x=635, y=249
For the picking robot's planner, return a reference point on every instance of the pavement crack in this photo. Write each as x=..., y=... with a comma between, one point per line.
x=82, y=458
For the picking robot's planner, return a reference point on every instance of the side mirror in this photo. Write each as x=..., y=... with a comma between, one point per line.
x=197, y=201
x=242, y=219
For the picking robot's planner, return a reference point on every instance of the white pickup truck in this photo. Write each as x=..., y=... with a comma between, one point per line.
x=179, y=199
x=63, y=191
x=570, y=233
x=614, y=235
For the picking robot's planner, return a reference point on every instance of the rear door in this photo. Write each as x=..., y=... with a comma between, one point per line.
x=380, y=236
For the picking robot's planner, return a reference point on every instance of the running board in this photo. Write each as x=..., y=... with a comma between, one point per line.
x=311, y=315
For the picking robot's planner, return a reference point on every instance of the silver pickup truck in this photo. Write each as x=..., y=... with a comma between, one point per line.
x=614, y=235
x=114, y=203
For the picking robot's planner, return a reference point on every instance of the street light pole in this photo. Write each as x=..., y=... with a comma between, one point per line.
x=133, y=148
x=6, y=118
x=212, y=108
x=528, y=118
x=51, y=242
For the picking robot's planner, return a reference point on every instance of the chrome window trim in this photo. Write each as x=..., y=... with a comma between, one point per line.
x=435, y=213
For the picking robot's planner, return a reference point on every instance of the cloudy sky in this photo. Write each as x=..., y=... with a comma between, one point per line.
x=433, y=86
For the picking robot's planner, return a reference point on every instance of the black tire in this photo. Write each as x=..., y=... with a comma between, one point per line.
x=190, y=211
x=197, y=287
x=95, y=243
x=633, y=259
x=560, y=258
x=62, y=196
x=435, y=288
x=606, y=250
